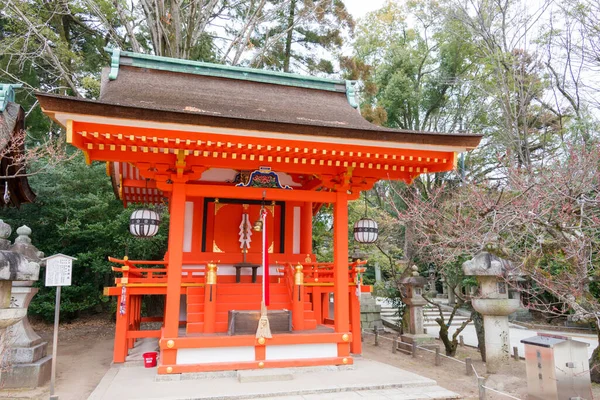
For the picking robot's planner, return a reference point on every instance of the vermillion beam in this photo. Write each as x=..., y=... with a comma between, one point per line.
x=254, y=193
x=176, y=228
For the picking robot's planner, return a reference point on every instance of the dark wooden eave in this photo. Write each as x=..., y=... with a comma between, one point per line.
x=172, y=97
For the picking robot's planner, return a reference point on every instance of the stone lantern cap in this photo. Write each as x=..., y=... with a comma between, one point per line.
x=15, y=267
x=485, y=264
x=415, y=279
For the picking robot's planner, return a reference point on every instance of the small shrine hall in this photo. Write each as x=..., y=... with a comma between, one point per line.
x=244, y=159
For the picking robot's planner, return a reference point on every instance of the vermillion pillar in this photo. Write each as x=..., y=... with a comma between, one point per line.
x=120, y=348
x=306, y=239
x=340, y=274
x=356, y=345
x=175, y=258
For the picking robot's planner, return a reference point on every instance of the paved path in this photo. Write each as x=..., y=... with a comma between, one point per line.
x=367, y=380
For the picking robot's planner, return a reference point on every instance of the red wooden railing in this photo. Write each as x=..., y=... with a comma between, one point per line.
x=133, y=273
x=322, y=273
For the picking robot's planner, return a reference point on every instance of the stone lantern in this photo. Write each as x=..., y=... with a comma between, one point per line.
x=14, y=267
x=413, y=298
x=494, y=304
x=29, y=365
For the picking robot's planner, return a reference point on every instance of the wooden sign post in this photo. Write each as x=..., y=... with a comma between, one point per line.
x=59, y=270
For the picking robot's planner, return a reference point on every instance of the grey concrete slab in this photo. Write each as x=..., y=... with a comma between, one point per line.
x=139, y=383
x=516, y=334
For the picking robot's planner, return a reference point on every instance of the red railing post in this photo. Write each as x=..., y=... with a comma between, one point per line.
x=298, y=299
x=210, y=298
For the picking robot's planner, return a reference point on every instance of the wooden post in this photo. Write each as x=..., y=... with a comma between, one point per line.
x=414, y=349
x=376, y=336
x=516, y=353
x=325, y=305
x=317, y=298
x=340, y=272
x=210, y=298
x=355, y=345
x=298, y=299
x=469, y=366
x=175, y=258
x=394, y=344
x=438, y=360
x=461, y=341
x=480, y=383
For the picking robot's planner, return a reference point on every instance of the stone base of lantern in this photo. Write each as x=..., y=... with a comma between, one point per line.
x=28, y=365
x=420, y=339
x=27, y=375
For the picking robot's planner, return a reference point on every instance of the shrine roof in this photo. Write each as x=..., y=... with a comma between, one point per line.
x=159, y=89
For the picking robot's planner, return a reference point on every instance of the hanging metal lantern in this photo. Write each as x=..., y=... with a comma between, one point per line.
x=144, y=223
x=366, y=230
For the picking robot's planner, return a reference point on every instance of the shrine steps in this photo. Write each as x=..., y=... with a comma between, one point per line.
x=240, y=297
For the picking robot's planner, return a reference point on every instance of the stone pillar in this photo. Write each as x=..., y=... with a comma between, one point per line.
x=414, y=300
x=370, y=312
x=494, y=305
x=431, y=290
x=377, y=272
x=451, y=296
x=444, y=294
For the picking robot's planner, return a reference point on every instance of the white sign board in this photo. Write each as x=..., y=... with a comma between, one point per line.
x=59, y=270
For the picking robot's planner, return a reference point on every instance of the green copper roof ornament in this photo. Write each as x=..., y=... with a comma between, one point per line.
x=221, y=71
x=114, y=62
x=7, y=94
x=351, y=93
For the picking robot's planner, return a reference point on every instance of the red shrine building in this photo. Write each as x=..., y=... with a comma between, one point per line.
x=226, y=147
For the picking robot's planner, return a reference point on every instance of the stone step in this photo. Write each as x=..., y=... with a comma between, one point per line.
x=405, y=393
x=265, y=375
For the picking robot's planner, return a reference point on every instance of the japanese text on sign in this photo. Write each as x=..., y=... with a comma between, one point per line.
x=58, y=271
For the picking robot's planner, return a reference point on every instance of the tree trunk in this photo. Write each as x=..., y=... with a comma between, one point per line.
x=479, y=330
x=288, y=39
x=449, y=345
x=595, y=360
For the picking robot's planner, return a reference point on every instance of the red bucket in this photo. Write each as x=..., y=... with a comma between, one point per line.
x=150, y=359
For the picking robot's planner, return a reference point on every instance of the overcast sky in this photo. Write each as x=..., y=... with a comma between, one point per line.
x=359, y=8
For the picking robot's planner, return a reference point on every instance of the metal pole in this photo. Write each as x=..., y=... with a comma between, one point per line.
x=55, y=344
